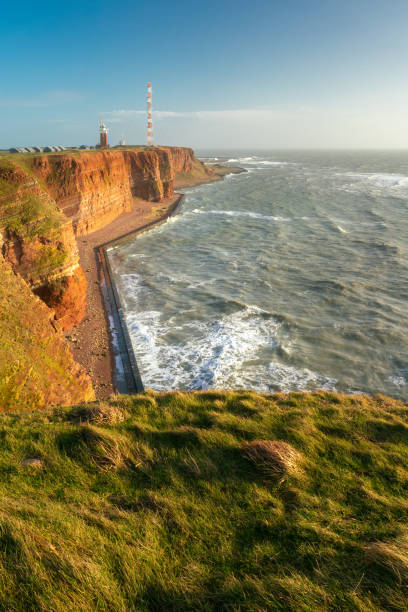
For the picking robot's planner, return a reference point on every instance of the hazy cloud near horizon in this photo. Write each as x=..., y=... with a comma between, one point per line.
x=266, y=128
x=246, y=128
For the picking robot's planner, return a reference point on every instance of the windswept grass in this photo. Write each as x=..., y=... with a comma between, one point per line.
x=206, y=501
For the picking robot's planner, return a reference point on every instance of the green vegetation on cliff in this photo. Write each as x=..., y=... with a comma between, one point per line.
x=206, y=501
x=36, y=366
x=33, y=217
x=198, y=173
x=31, y=223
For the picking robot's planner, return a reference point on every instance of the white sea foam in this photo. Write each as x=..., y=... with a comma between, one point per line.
x=213, y=357
x=239, y=213
x=398, y=381
x=272, y=163
x=240, y=159
x=220, y=353
x=287, y=378
x=255, y=161
x=380, y=179
x=133, y=282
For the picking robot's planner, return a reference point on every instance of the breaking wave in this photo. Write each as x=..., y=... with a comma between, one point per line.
x=240, y=159
x=220, y=353
x=382, y=178
x=239, y=213
x=380, y=182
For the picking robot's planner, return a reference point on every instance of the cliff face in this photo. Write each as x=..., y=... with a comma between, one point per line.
x=38, y=240
x=66, y=295
x=36, y=366
x=47, y=200
x=92, y=189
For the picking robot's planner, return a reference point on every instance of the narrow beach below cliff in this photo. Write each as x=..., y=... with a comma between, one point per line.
x=90, y=341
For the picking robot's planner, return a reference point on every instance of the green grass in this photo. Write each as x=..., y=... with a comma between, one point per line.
x=158, y=502
x=28, y=215
x=34, y=216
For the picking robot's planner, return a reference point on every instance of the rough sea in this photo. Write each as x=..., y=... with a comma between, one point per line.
x=291, y=276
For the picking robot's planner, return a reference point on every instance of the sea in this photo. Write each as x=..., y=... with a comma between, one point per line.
x=290, y=276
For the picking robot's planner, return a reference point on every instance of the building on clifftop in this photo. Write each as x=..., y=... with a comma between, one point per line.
x=103, y=136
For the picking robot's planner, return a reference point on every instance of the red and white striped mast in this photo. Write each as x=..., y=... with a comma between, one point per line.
x=149, y=116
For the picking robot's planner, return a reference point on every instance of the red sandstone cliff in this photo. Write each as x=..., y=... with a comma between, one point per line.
x=58, y=197
x=93, y=188
x=38, y=241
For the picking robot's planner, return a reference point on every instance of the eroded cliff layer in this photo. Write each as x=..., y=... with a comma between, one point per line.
x=93, y=188
x=47, y=200
x=37, y=239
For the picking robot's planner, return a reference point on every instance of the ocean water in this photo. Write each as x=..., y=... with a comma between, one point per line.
x=291, y=276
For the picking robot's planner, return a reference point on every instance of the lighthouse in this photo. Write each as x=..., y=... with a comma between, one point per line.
x=103, y=135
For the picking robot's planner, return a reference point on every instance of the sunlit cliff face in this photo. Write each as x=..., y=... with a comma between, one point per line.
x=80, y=193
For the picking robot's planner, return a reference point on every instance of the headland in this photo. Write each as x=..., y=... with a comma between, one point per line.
x=55, y=211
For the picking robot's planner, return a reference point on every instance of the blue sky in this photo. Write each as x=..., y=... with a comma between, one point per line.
x=260, y=74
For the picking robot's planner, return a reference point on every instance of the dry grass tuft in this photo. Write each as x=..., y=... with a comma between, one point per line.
x=99, y=414
x=274, y=458
x=108, y=452
x=391, y=554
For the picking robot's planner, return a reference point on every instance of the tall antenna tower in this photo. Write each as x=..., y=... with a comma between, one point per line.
x=149, y=116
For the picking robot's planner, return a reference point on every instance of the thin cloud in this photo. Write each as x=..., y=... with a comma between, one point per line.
x=117, y=116
x=46, y=98
x=356, y=126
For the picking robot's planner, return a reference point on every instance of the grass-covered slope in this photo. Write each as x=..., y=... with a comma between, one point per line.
x=32, y=228
x=206, y=501
x=36, y=366
x=199, y=173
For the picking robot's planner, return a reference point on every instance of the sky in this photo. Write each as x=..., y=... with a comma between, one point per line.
x=259, y=74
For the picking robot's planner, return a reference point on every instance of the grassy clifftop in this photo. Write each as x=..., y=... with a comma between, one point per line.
x=206, y=501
